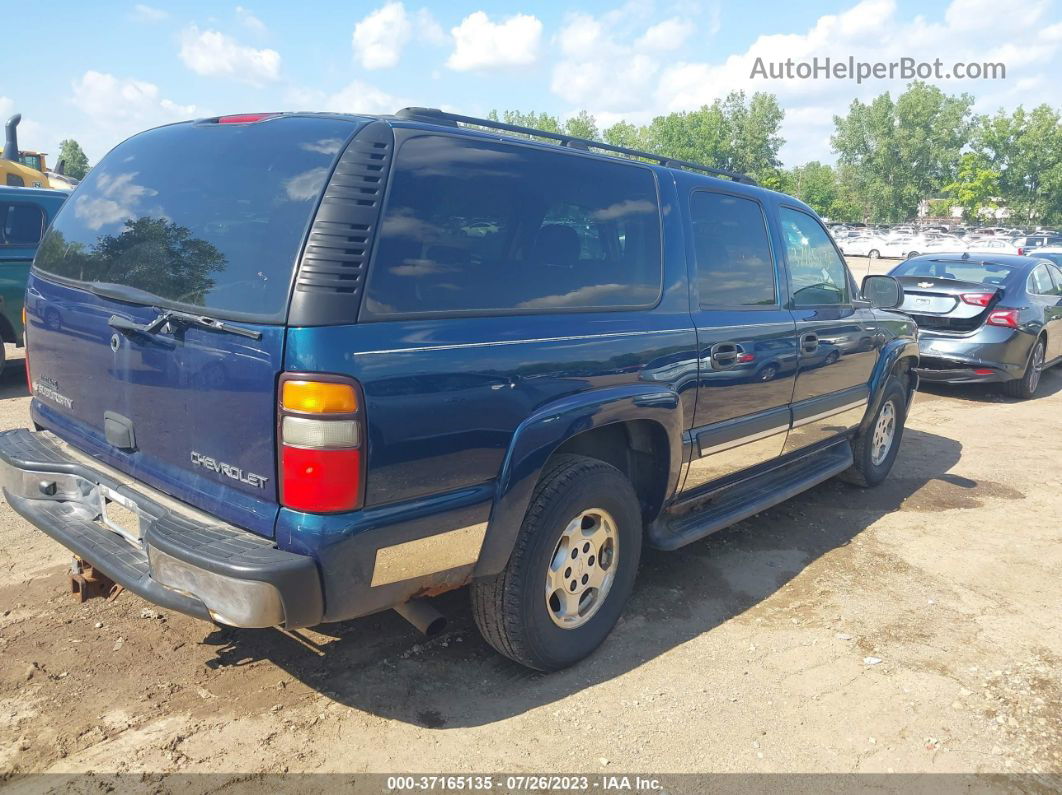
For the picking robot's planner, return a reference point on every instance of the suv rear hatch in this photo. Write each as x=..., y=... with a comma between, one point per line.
x=204, y=221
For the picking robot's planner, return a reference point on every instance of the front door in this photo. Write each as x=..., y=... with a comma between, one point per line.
x=838, y=343
x=746, y=339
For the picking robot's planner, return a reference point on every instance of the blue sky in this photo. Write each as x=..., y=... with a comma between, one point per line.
x=116, y=68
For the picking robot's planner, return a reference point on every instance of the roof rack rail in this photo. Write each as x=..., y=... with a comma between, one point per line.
x=436, y=116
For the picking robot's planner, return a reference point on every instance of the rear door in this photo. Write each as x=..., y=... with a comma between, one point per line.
x=746, y=338
x=207, y=218
x=837, y=342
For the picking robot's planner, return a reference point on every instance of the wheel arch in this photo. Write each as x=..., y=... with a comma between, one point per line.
x=646, y=419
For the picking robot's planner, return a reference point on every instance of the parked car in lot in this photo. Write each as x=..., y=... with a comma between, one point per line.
x=24, y=215
x=984, y=318
x=453, y=357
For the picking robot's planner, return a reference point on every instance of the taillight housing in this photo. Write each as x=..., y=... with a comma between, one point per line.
x=977, y=299
x=25, y=342
x=320, y=440
x=245, y=118
x=1008, y=318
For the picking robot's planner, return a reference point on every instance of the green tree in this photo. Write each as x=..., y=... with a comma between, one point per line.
x=901, y=152
x=976, y=187
x=582, y=125
x=77, y=163
x=1024, y=150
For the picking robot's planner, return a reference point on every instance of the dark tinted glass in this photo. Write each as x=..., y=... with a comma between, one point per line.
x=819, y=276
x=21, y=224
x=205, y=215
x=734, y=262
x=958, y=270
x=477, y=226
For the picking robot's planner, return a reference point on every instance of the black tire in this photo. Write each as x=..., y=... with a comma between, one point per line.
x=873, y=253
x=511, y=608
x=832, y=357
x=865, y=472
x=3, y=355
x=768, y=372
x=1025, y=387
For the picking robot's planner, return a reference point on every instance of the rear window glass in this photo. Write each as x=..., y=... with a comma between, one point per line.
x=482, y=227
x=206, y=216
x=959, y=270
x=21, y=224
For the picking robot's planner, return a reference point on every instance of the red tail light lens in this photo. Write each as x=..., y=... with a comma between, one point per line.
x=977, y=299
x=245, y=118
x=320, y=481
x=1003, y=317
x=1021, y=251
x=320, y=430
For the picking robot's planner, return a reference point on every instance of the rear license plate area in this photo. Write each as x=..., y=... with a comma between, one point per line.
x=120, y=515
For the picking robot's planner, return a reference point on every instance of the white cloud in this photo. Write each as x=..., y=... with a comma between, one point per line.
x=250, y=21
x=116, y=200
x=213, y=54
x=616, y=70
x=667, y=35
x=482, y=44
x=360, y=97
x=379, y=38
x=118, y=102
x=7, y=106
x=149, y=14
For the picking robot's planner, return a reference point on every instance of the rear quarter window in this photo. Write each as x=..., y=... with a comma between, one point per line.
x=483, y=227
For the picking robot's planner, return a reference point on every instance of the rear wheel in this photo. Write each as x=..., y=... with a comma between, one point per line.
x=1026, y=386
x=571, y=571
x=874, y=253
x=874, y=451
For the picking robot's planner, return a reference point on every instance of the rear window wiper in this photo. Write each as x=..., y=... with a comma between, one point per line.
x=169, y=317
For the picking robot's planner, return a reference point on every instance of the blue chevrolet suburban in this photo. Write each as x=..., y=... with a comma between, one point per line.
x=321, y=365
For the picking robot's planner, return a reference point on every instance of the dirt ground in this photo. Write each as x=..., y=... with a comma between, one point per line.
x=916, y=627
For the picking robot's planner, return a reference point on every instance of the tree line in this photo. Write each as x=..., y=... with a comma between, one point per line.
x=891, y=154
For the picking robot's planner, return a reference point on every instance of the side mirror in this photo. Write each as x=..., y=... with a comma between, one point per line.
x=883, y=292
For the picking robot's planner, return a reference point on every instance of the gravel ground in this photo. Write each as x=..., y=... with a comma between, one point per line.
x=914, y=627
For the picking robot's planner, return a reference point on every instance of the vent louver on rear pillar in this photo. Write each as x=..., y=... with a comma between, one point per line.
x=332, y=268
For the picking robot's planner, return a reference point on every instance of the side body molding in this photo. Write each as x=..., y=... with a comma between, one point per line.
x=543, y=432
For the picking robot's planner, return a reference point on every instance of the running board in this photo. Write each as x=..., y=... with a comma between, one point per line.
x=750, y=497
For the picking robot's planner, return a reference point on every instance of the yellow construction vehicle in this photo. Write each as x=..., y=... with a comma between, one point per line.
x=13, y=171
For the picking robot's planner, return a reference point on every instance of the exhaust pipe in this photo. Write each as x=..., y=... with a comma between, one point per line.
x=11, y=138
x=423, y=616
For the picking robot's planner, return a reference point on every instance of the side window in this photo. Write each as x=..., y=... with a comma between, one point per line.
x=474, y=226
x=1056, y=274
x=21, y=224
x=734, y=263
x=15, y=181
x=1040, y=281
x=818, y=273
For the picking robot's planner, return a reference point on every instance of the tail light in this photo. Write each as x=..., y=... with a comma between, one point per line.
x=25, y=342
x=321, y=437
x=977, y=299
x=245, y=118
x=1021, y=251
x=1007, y=318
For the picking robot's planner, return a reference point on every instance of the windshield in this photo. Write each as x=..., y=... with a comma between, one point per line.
x=200, y=216
x=959, y=270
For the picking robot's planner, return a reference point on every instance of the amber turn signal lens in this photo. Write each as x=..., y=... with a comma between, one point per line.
x=319, y=397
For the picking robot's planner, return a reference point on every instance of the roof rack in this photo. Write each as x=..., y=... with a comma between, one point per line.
x=436, y=116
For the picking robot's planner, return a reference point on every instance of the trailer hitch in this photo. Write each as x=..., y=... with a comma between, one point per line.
x=86, y=582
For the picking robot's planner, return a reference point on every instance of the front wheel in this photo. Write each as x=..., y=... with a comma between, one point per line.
x=874, y=253
x=571, y=570
x=874, y=451
x=1026, y=386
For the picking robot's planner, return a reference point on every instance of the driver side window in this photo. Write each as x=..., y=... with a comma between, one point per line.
x=818, y=273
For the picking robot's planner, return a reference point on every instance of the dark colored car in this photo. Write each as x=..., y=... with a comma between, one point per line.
x=320, y=366
x=24, y=215
x=984, y=318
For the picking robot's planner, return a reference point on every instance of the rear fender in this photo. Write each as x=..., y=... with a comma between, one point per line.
x=542, y=433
